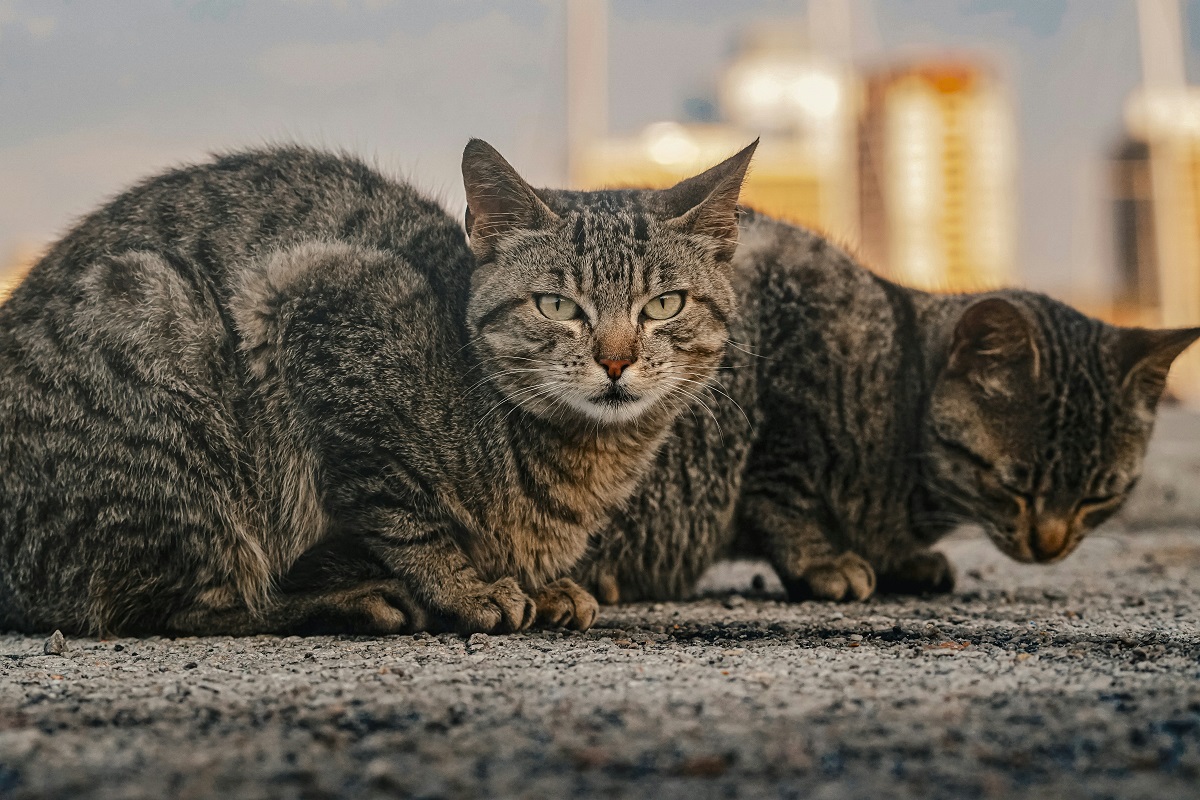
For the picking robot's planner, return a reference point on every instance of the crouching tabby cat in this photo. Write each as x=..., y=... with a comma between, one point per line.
x=855, y=422
x=279, y=392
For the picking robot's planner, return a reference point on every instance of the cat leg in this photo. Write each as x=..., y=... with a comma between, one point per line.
x=372, y=608
x=342, y=560
x=427, y=557
x=923, y=572
x=566, y=604
x=608, y=590
x=808, y=564
x=842, y=577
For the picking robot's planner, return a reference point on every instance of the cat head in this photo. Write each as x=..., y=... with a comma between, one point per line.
x=601, y=305
x=1039, y=421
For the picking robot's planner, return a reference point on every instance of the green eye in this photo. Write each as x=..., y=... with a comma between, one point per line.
x=557, y=307
x=664, y=306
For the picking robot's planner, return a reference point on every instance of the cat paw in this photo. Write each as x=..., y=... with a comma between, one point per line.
x=500, y=607
x=386, y=607
x=608, y=591
x=373, y=608
x=927, y=572
x=843, y=578
x=566, y=604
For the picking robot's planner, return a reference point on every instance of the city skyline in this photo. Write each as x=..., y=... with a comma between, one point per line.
x=100, y=95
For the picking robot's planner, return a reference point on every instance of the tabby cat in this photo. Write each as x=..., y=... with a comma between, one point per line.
x=237, y=383
x=855, y=422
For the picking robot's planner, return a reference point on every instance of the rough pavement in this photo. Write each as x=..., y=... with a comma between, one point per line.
x=1081, y=679
x=1076, y=680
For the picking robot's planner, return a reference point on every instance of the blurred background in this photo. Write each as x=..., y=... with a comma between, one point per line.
x=952, y=144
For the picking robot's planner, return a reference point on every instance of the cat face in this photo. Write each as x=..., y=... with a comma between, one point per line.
x=599, y=305
x=1039, y=422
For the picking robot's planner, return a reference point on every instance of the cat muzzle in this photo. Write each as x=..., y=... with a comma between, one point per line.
x=616, y=365
x=1049, y=538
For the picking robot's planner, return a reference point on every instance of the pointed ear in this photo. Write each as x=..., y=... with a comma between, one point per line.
x=1144, y=357
x=707, y=203
x=499, y=201
x=992, y=333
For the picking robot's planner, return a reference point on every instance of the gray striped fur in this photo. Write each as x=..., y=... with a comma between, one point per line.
x=855, y=422
x=279, y=392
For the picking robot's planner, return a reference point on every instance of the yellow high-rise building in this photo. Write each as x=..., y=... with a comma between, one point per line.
x=937, y=166
x=802, y=106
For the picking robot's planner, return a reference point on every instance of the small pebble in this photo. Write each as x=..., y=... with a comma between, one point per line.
x=478, y=641
x=56, y=645
x=734, y=601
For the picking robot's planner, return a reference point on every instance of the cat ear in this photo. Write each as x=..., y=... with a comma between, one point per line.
x=992, y=333
x=707, y=203
x=1144, y=357
x=499, y=201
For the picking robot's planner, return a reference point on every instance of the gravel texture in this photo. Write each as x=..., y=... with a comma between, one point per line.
x=1077, y=680
x=1081, y=679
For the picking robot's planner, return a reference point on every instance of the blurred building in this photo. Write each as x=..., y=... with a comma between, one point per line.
x=916, y=174
x=1135, y=285
x=937, y=165
x=1156, y=192
x=804, y=108
x=1157, y=210
x=14, y=267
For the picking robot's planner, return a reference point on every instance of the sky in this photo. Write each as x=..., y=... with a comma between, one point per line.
x=96, y=94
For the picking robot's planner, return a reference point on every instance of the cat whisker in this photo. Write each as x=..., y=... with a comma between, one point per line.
x=490, y=359
x=511, y=398
x=492, y=375
x=710, y=386
x=743, y=347
x=520, y=404
x=699, y=400
x=469, y=342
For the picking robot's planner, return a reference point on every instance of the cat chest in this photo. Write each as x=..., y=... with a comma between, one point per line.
x=539, y=533
x=530, y=545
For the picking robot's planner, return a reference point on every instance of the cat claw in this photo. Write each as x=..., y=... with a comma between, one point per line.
x=928, y=572
x=378, y=608
x=843, y=578
x=566, y=604
x=501, y=607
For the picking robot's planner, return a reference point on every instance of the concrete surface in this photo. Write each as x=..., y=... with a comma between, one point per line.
x=1169, y=491
x=1077, y=680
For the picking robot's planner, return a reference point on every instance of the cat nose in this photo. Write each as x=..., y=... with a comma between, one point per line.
x=615, y=366
x=1049, y=538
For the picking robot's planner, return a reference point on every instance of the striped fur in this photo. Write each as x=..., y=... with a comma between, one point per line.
x=855, y=422
x=279, y=392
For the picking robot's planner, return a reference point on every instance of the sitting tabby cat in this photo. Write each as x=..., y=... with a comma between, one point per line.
x=281, y=357
x=855, y=422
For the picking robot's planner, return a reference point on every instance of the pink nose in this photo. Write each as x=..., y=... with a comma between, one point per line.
x=615, y=366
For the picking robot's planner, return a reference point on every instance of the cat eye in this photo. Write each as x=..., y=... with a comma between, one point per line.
x=664, y=306
x=556, y=307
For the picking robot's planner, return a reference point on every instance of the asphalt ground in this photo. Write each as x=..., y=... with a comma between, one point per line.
x=1080, y=679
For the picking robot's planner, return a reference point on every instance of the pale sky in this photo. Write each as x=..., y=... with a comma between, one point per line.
x=96, y=94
